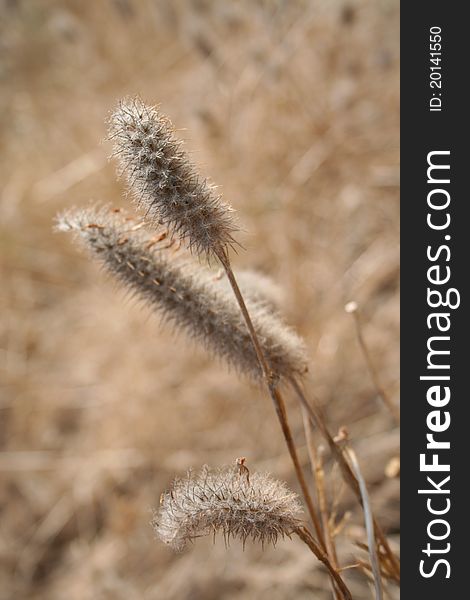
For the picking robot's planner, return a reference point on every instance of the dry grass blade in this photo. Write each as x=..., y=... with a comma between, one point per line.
x=349, y=477
x=369, y=523
x=319, y=479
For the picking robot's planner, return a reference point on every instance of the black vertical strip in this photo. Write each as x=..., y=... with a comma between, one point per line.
x=424, y=131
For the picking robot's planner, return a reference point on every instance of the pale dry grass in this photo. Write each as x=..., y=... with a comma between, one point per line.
x=293, y=110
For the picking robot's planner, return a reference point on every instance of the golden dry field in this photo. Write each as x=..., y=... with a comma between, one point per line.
x=292, y=109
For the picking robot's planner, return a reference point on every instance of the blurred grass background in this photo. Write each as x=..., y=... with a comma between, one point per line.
x=292, y=108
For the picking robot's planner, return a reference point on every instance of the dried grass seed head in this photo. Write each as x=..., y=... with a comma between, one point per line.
x=165, y=183
x=185, y=293
x=224, y=501
x=258, y=287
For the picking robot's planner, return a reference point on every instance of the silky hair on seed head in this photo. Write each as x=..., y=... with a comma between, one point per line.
x=257, y=287
x=184, y=292
x=164, y=182
x=226, y=501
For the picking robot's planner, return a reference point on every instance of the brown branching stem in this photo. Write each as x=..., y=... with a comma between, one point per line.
x=308, y=539
x=276, y=396
x=319, y=479
x=318, y=421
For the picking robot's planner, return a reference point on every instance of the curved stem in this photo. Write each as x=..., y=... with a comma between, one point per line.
x=271, y=383
x=305, y=535
x=318, y=475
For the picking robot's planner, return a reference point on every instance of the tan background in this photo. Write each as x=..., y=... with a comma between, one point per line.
x=292, y=108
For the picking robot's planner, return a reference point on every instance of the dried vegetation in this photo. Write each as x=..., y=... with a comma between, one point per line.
x=294, y=108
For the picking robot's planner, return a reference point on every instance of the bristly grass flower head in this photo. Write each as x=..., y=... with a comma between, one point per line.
x=228, y=501
x=164, y=181
x=185, y=293
x=257, y=287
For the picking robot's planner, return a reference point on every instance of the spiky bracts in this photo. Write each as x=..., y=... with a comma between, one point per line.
x=165, y=183
x=185, y=293
x=226, y=501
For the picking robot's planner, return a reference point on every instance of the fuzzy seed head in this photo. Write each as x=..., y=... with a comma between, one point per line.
x=259, y=288
x=226, y=501
x=165, y=183
x=185, y=293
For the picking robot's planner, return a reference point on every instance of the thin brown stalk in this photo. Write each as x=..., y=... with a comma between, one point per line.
x=317, y=420
x=353, y=309
x=271, y=380
x=365, y=566
x=369, y=523
x=305, y=535
x=319, y=479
